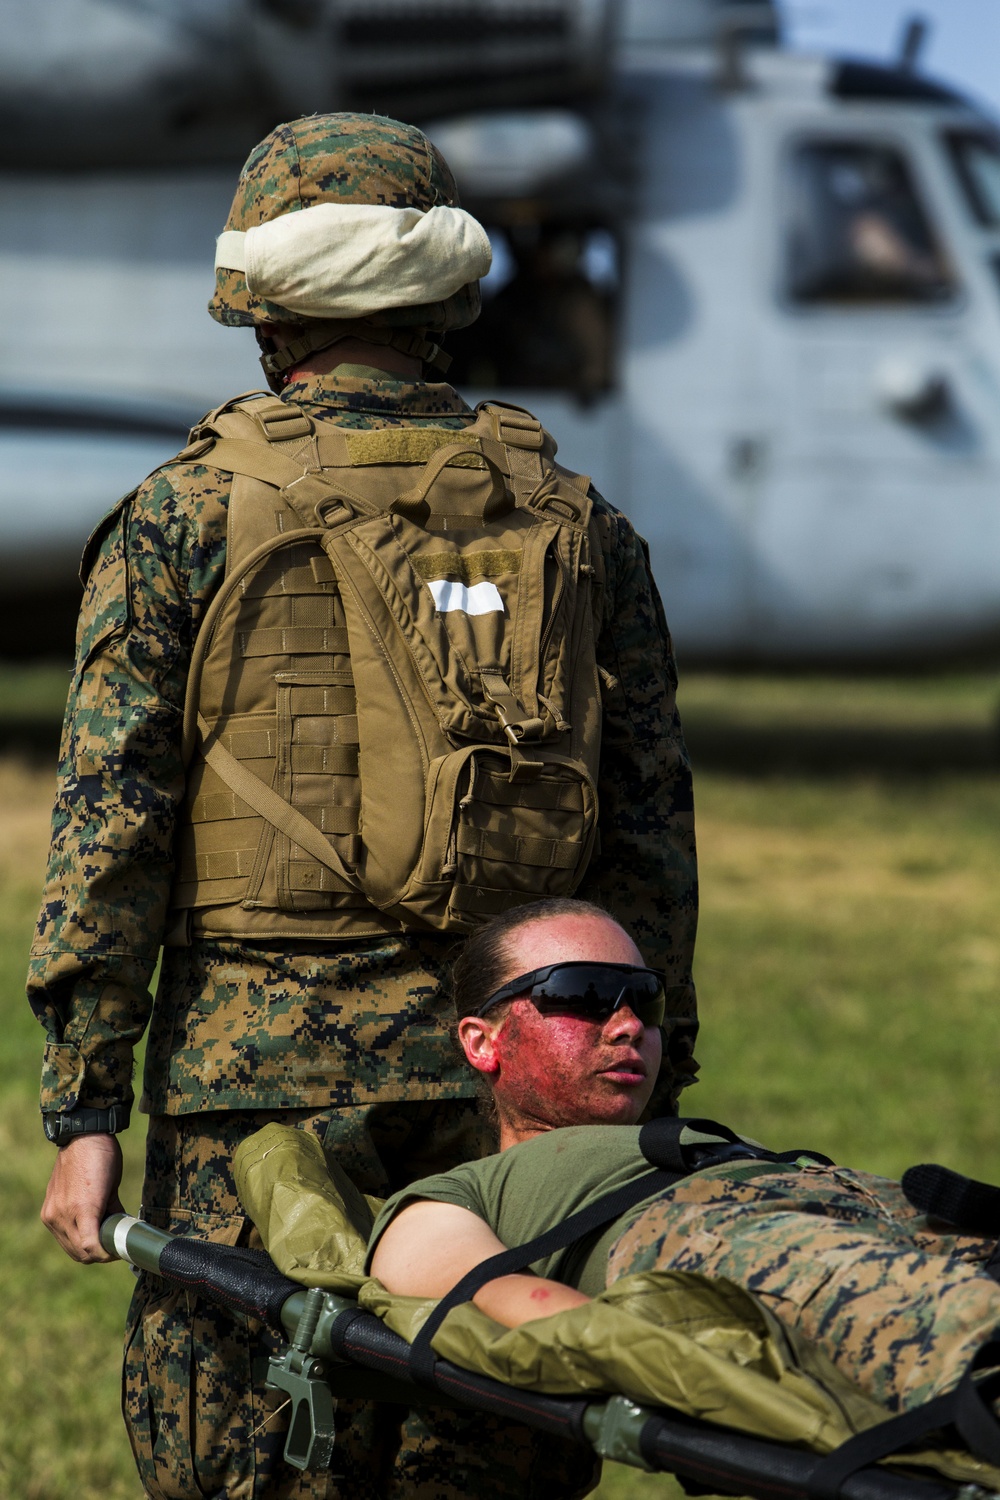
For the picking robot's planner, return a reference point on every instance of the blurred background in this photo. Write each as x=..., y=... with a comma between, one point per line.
x=747, y=268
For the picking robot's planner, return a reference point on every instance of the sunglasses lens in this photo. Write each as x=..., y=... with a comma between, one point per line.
x=596, y=990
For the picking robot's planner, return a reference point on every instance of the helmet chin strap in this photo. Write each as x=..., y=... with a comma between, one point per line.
x=277, y=361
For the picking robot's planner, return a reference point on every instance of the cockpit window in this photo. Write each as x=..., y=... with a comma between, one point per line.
x=856, y=230
x=976, y=159
x=548, y=315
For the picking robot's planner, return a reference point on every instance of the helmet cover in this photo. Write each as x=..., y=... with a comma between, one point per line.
x=339, y=158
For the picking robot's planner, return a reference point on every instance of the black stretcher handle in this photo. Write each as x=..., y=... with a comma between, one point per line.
x=360, y=1338
x=243, y=1280
x=246, y=1281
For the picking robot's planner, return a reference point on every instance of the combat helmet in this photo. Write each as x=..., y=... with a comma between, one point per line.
x=364, y=237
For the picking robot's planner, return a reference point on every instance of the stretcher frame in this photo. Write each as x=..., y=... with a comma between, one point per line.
x=335, y=1349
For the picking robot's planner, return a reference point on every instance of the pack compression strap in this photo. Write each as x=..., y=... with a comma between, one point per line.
x=507, y=1262
x=266, y=802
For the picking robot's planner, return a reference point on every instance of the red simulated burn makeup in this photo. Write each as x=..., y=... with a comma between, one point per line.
x=561, y=1070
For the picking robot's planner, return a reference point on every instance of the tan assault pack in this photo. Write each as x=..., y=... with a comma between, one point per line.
x=393, y=712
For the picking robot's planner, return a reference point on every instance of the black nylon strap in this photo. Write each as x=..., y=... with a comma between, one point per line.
x=661, y=1143
x=961, y=1201
x=507, y=1262
x=964, y=1408
x=974, y=1416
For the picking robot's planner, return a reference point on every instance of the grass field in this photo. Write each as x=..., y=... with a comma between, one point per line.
x=848, y=967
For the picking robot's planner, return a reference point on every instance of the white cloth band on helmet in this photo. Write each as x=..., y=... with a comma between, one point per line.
x=343, y=260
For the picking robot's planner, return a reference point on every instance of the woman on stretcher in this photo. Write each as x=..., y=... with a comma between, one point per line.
x=563, y=1021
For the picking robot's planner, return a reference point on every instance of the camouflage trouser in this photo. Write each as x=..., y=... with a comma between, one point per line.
x=898, y=1306
x=200, y=1421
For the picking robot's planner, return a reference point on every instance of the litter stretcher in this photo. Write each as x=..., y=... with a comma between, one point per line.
x=335, y=1348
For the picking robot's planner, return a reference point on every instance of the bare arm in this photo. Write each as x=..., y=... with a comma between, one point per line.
x=429, y=1247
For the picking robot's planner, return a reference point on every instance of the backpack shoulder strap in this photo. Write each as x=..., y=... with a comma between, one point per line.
x=507, y=1262
x=516, y=442
x=272, y=448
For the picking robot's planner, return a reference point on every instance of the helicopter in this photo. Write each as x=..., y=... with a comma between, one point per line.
x=756, y=294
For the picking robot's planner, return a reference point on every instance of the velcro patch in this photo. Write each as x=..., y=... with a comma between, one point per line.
x=399, y=445
x=467, y=568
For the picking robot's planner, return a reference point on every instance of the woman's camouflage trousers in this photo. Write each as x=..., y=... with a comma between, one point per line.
x=898, y=1305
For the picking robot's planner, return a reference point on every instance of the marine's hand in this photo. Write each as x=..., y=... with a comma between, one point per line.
x=83, y=1190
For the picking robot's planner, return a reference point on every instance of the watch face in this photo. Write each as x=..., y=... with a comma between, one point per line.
x=50, y=1124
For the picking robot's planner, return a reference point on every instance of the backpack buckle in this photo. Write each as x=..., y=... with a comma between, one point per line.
x=549, y=495
x=516, y=724
x=516, y=428
x=280, y=422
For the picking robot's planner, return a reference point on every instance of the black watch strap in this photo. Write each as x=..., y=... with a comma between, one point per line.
x=59, y=1129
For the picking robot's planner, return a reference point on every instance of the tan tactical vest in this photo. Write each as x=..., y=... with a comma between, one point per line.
x=393, y=716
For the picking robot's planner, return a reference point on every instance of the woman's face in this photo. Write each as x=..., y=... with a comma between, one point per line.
x=550, y=1071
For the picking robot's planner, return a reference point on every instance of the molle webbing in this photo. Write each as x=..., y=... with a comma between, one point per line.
x=393, y=696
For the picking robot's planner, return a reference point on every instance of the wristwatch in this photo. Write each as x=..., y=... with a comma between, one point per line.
x=60, y=1129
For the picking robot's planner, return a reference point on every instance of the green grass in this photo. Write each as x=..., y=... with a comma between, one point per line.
x=62, y=1433
x=848, y=967
x=963, y=699
x=32, y=692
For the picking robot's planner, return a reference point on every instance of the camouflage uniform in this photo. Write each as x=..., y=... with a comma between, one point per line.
x=348, y=1039
x=351, y=1041
x=898, y=1305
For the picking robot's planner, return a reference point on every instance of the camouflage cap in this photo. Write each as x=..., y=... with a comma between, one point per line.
x=339, y=158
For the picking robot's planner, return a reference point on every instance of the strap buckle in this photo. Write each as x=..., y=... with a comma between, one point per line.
x=279, y=422
x=515, y=427
x=516, y=723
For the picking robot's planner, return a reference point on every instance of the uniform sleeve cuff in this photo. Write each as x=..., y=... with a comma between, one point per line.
x=70, y=1080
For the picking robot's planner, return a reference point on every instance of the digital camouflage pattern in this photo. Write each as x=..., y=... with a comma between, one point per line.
x=184, y=1355
x=339, y=158
x=304, y=1026
x=898, y=1306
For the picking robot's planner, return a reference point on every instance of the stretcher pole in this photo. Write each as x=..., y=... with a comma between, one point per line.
x=335, y=1349
x=297, y=1372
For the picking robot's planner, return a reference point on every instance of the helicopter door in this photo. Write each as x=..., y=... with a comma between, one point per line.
x=849, y=502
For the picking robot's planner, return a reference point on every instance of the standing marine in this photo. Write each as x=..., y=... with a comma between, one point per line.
x=357, y=669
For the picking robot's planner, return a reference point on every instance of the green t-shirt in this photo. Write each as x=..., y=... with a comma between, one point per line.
x=529, y=1188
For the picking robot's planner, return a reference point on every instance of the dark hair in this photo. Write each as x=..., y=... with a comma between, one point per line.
x=481, y=966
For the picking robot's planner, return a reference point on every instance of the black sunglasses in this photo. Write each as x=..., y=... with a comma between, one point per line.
x=593, y=990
